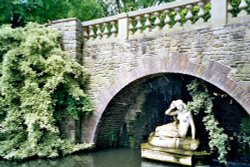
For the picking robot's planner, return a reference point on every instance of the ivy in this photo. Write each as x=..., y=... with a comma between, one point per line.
x=203, y=102
x=39, y=84
x=244, y=136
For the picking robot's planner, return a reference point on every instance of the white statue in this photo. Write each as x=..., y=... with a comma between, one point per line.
x=179, y=127
x=174, y=135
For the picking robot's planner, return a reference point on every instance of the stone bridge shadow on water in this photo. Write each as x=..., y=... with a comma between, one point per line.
x=139, y=107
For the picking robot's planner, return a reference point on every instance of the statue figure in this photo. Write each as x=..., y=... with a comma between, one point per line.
x=170, y=143
x=180, y=126
x=173, y=135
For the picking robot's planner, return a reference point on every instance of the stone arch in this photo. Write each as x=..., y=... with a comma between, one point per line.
x=214, y=73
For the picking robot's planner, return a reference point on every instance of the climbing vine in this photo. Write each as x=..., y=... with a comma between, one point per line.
x=244, y=136
x=39, y=84
x=202, y=101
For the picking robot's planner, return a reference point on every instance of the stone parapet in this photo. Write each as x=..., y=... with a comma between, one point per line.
x=167, y=17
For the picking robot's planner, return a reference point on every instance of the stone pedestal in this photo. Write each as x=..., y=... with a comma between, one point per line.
x=177, y=156
x=180, y=143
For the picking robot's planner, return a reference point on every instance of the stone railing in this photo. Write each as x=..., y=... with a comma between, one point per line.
x=172, y=15
x=102, y=28
x=169, y=17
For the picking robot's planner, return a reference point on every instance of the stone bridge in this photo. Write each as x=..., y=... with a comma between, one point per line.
x=130, y=48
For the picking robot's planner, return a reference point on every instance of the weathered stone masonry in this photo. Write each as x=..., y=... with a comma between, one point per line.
x=217, y=52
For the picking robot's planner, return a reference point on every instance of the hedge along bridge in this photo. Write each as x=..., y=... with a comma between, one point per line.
x=121, y=49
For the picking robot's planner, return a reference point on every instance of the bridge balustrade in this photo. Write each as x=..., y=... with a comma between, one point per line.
x=170, y=17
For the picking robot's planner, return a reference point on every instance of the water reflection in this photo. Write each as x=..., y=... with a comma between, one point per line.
x=104, y=158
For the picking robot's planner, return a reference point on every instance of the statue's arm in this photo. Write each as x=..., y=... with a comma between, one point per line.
x=191, y=121
x=170, y=110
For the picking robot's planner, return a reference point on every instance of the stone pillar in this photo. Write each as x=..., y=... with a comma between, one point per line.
x=219, y=12
x=72, y=42
x=71, y=32
x=123, y=26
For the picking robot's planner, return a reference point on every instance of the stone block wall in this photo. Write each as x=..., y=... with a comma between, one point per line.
x=228, y=45
x=71, y=36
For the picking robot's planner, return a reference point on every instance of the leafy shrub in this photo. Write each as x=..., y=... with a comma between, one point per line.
x=39, y=84
x=244, y=136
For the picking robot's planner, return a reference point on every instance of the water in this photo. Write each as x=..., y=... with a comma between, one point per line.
x=104, y=158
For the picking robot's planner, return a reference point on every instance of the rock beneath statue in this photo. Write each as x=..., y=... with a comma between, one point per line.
x=177, y=156
x=188, y=144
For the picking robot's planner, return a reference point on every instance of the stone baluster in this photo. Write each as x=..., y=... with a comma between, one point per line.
x=106, y=31
x=147, y=23
x=201, y=12
x=85, y=34
x=177, y=17
x=113, y=29
x=157, y=21
x=138, y=25
x=130, y=27
x=91, y=33
x=189, y=15
x=167, y=19
x=243, y=8
x=98, y=31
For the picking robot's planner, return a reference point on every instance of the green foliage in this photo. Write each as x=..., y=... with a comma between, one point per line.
x=132, y=141
x=202, y=101
x=235, y=4
x=131, y=5
x=39, y=83
x=85, y=9
x=20, y=12
x=244, y=136
x=111, y=7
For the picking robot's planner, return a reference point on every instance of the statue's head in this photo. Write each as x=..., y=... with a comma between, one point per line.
x=179, y=104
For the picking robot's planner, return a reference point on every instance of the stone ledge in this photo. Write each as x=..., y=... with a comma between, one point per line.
x=63, y=20
x=176, y=156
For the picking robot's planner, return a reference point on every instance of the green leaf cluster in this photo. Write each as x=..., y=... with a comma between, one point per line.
x=20, y=12
x=202, y=102
x=235, y=4
x=244, y=136
x=38, y=84
x=112, y=7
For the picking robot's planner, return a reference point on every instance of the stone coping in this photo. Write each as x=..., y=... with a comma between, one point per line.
x=161, y=7
x=104, y=20
x=63, y=20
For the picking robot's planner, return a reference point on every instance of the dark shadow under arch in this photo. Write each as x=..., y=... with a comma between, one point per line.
x=139, y=108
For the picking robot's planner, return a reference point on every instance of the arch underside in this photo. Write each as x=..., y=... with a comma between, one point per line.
x=214, y=73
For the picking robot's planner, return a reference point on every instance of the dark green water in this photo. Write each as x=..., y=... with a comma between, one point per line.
x=103, y=158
